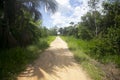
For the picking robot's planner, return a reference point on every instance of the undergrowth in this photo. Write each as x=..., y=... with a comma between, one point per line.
x=50, y=39
x=78, y=47
x=15, y=60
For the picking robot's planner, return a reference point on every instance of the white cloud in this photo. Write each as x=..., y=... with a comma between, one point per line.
x=60, y=18
x=67, y=13
x=57, y=18
x=63, y=2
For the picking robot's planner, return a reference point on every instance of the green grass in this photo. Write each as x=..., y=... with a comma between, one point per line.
x=50, y=39
x=14, y=60
x=42, y=44
x=78, y=47
x=115, y=59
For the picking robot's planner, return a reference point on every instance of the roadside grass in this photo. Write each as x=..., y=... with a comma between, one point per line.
x=78, y=47
x=108, y=59
x=15, y=60
x=50, y=39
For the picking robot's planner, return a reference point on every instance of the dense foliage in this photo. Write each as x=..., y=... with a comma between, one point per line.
x=20, y=22
x=99, y=28
x=15, y=60
x=77, y=46
x=21, y=34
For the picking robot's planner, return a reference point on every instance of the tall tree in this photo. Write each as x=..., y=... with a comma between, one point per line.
x=13, y=9
x=93, y=8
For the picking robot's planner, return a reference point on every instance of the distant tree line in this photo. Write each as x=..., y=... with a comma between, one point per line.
x=100, y=26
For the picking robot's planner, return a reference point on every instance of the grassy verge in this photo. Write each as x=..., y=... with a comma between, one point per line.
x=77, y=47
x=50, y=39
x=14, y=60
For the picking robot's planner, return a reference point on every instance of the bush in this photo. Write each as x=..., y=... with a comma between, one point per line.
x=11, y=59
x=105, y=49
x=78, y=47
x=14, y=60
x=109, y=44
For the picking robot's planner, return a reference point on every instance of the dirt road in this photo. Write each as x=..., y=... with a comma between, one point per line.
x=56, y=63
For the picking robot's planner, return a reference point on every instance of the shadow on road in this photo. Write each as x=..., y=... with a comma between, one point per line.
x=48, y=63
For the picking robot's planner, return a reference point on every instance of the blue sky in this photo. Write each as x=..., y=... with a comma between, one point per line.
x=68, y=11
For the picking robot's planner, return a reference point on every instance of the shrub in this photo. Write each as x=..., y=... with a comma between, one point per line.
x=14, y=60
x=11, y=59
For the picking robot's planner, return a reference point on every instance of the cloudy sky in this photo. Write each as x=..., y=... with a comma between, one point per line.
x=68, y=11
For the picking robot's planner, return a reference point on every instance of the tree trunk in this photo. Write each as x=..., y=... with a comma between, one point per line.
x=96, y=28
x=8, y=22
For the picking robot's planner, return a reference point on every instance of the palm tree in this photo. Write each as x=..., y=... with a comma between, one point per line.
x=30, y=5
x=11, y=10
x=33, y=5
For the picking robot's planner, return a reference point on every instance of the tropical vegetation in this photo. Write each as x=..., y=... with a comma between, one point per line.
x=98, y=33
x=22, y=36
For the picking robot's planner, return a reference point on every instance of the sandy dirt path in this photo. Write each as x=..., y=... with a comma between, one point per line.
x=55, y=63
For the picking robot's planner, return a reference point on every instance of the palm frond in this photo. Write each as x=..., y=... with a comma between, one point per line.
x=33, y=6
x=50, y=5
